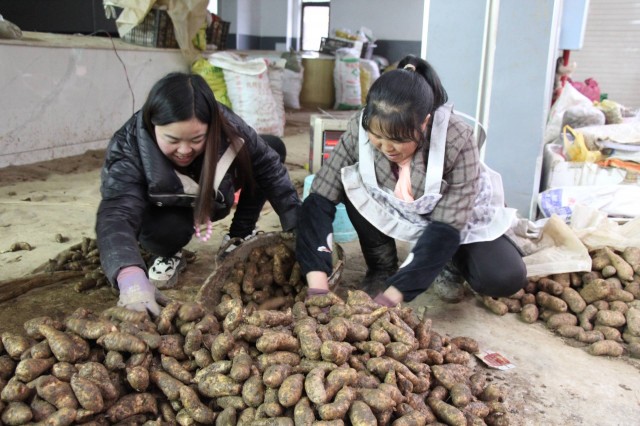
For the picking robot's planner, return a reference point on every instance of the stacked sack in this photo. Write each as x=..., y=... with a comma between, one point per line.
x=252, y=88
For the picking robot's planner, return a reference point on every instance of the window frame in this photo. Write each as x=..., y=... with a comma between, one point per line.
x=306, y=3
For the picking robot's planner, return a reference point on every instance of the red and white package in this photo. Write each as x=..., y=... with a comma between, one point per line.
x=494, y=360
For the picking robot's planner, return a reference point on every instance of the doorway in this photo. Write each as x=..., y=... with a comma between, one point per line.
x=315, y=23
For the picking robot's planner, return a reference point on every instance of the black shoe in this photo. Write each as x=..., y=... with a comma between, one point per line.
x=449, y=285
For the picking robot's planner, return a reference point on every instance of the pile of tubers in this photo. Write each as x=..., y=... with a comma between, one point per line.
x=269, y=278
x=84, y=257
x=323, y=361
x=600, y=308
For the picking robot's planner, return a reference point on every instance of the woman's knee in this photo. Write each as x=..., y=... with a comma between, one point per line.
x=501, y=282
x=165, y=232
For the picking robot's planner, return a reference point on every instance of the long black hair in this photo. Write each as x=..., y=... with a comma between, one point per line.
x=400, y=100
x=181, y=97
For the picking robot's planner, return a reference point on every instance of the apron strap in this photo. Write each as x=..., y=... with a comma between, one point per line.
x=482, y=132
x=437, y=148
x=366, y=158
x=435, y=164
x=225, y=162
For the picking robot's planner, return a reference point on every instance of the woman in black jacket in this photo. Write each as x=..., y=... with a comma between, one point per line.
x=171, y=170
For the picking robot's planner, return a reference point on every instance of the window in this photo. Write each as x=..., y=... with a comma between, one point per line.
x=315, y=23
x=213, y=6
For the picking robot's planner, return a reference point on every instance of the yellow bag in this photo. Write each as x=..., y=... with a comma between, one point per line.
x=575, y=148
x=215, y=79
x=365, y=84
x=611, y=111
x=200, y=39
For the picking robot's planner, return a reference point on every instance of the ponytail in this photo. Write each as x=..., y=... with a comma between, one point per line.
x=422, y=67
x=399, y=101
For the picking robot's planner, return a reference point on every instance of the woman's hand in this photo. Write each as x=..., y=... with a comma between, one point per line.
x=390, y=298
x=136, y=292
x=318, y=280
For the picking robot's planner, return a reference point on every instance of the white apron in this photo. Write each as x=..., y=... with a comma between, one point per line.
x=405, y=220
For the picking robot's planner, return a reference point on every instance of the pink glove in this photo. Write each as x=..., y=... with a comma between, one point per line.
x=316, y=291
x=136, y=292
x=383, y=300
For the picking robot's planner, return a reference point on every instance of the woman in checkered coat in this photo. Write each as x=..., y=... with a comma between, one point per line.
x=408, y=168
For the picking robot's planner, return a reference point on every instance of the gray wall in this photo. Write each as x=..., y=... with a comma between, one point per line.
x=521, y=95
x=398, y=33
x=262, y=24
x=519, y=92
x=457, y=55
x=256, y=25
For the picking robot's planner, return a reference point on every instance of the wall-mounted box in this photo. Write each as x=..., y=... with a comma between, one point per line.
x=325, y=134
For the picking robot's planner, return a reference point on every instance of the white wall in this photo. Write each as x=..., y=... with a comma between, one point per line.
x=228, y=11
x=268, y=18
x=611, y=50
x=264, y=18
x=400, y=20
x=272, y=18
x=521, y=95
x=519, y=89
x=61, y=97
x=457, y=55
x=248, y=17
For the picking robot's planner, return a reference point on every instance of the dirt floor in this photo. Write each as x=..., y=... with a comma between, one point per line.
x=554, y=382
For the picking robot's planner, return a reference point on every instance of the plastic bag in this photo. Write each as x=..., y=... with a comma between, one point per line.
x=291, y=87
x=589, y=88
x=568, y=97
x=575, y=148
x=9, y=30
x=582, y=116
x=613, y=200
x=276, y=81
x=596, y=230
x=612, y=111
x=294, y=60
x=559, y=251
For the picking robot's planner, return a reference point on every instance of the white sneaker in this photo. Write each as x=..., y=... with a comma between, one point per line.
x=165, y=270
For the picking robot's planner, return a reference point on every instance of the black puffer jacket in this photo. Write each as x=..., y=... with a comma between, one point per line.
x=136, y=173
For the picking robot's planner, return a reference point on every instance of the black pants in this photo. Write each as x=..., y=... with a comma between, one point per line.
x=166, y=230
x=492, y=268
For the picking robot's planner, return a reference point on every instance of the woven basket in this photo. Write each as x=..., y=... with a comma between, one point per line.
x=155, y=30
x=210, y=292
x=217, y=32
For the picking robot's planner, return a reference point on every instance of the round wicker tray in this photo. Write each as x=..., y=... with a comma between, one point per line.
x=210, y=293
